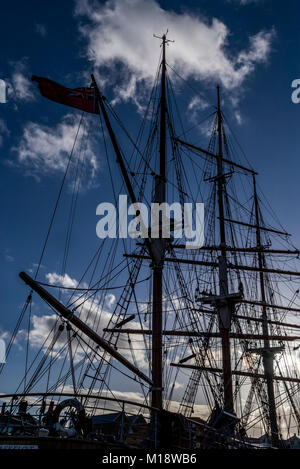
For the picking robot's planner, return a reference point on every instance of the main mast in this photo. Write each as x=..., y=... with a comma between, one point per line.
x=159, y=248
x=225, y=301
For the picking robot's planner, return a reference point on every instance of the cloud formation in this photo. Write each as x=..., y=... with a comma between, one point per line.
x=43, y=149
x=121, y=32
x=64, y=280
x=19, y=86
x=91, y=313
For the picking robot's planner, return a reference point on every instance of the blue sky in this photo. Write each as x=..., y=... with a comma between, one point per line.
x=250, y=47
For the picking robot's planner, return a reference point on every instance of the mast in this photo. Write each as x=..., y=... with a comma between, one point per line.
x=267, y=352
x=156, y=247
x=224, y=311
x=159, y=248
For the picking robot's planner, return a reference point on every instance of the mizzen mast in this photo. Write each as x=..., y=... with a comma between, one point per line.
x=267, y=351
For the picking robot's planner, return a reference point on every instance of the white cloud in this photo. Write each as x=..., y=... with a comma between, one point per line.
x=258, y=51
x=4, y=335
x=89, y=312
x=121, y=32
x=238, y=117
x=43, y=329
x=110, y=300
x=41, y=29
x=41, y=326
x=198, y=103
x=43, y=149
x=19, y=86
x=63, y=280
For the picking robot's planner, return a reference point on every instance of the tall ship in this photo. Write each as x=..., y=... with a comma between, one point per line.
x=161, y=344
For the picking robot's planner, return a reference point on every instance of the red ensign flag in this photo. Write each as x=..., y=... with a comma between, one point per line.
x=80, y=98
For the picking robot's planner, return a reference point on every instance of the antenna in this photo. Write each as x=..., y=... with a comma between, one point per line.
x=164, y=38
